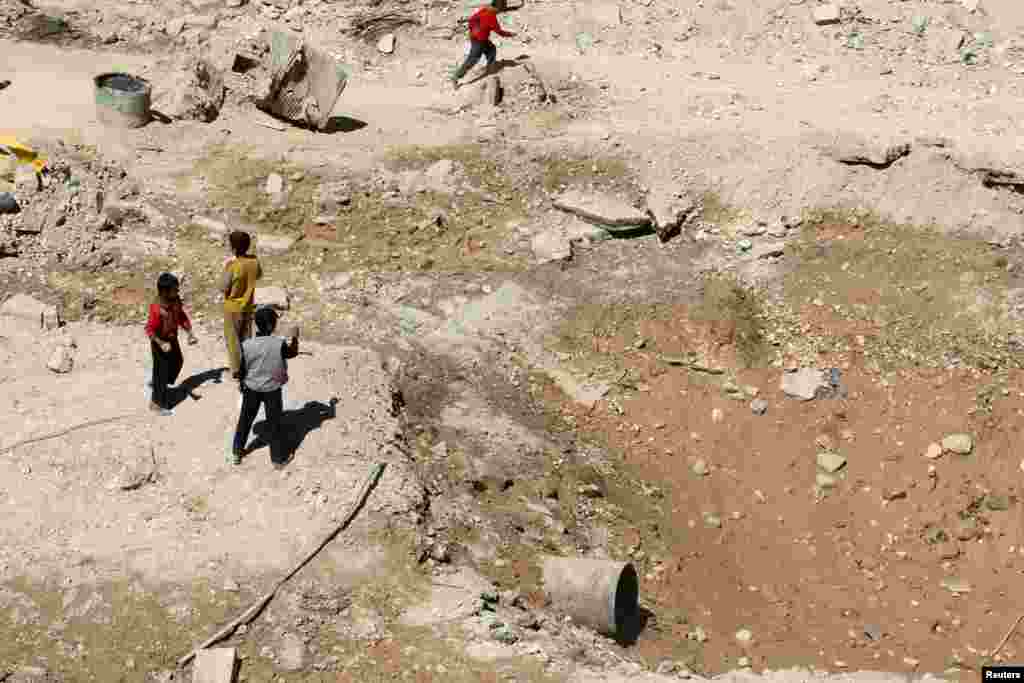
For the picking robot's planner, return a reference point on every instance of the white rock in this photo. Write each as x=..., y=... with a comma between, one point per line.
x=803, y=383
x=831, y=462
x=61, y=361
x=275, y=184
x=826, y=14
x=551, y=245
x=962, y=444
x=386, y=44
x=24, y=307
x=275, y=297
x=273, y=244
x=933, y=452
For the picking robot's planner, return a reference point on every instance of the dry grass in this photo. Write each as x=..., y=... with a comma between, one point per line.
x=726, y=300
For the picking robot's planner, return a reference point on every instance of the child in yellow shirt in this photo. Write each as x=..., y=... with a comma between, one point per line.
x=239, y=286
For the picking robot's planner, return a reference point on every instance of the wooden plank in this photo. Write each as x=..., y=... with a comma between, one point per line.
x=214, y=666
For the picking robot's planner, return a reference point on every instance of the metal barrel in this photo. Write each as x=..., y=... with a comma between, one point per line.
x=601, y=594
x=122, y=100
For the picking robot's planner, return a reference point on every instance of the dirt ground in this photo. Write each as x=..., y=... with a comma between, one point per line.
x=854, y=208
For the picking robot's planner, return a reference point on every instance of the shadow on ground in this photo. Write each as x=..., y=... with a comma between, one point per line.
x=633, y=626
x=186, y=389
x=343, y=124
x=295, y=425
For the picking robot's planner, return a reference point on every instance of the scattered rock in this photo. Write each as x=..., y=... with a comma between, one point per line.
x=831, y=462
x=766, y=250
x=275, y=297
x=933, y=452
x=961, y=444
x=966, y=529
x=213, y=227
x=231, y=586
x=997, y=503
x=603, y=211
x=492, y=91
x=386, y=44
x=712, y=520
x=335, y=282
x=873, y=632
x=717, y=415
x=804, y=383
x=826, y=14
x=744, y=635
x=25, y=307
x=174, y=27
x=948, y=550
x=759, y=406
x=292, y=654
x=700, y=467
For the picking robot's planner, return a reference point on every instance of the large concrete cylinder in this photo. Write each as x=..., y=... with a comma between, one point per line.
x=602, y=594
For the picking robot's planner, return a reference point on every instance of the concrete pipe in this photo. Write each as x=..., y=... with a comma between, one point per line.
x=602, y=594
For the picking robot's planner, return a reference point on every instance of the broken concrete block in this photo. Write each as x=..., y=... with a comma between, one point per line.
x=386, y=44
x=217, y=665
x=24, y=307
x=551, y=245
x=603, y=211
x=275, y=297
x=303, y=82
x=826, y=14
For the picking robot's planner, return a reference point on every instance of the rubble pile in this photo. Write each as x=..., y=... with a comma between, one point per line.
x=70, y=212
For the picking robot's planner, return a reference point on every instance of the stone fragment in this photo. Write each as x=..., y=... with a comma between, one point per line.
x=275, y=297
x=216, y=665
x=602, y=210
x=386, y=43
x=826, y=14
x=831, y=462
x=804, y=383
x=961, y=444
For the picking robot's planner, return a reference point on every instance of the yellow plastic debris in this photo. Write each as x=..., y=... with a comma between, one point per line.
x=21, y=153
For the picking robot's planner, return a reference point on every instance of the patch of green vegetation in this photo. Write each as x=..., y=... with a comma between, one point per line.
x=931, y=296
x=716, y=211
x=126, y=633
x=117, y=295
x=237, y=179
x=724, y=298
x=560, y=170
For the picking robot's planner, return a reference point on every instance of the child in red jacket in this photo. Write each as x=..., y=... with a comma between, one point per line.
x=481, y=24
x=165, y=317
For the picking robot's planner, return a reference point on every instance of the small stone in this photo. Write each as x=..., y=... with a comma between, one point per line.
x=717, y=415
x=803, y=384
x=933, y=452
x=743, y=662
x=873, y=632
x=231, y=585
x=831, y=462
x=966, y=529
x=997, y=503
x=962, y=444
x=700, y=467
x=275, y=184
x=759, y=406
x=911, y=662
x=744, y=635
x=386, y=44
x=666, y=667
x=61, y=362
x=712, y=520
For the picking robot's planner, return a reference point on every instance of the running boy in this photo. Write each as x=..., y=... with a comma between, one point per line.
x=264, y=370
x=239, y=286
x=481, y=24
x=165, y=317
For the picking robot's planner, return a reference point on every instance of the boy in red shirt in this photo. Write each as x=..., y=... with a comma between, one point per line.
x=481, y=24
x=165, y=317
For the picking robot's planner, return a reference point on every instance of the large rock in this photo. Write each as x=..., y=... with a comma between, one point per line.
x=826, y=14
x=197, y=93
x=386, y=44
x=275, y=297
x=853, y=149
x=804, y=383
x=601, y=210
x=24, y=307
x=61, y=361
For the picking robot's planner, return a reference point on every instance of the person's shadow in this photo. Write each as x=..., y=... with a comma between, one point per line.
x=295, y=425
x=187, y=388
x=497, y=67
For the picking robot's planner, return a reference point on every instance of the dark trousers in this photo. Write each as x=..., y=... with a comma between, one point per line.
x=166, y=368
x=251, y=402
x=477, y=49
